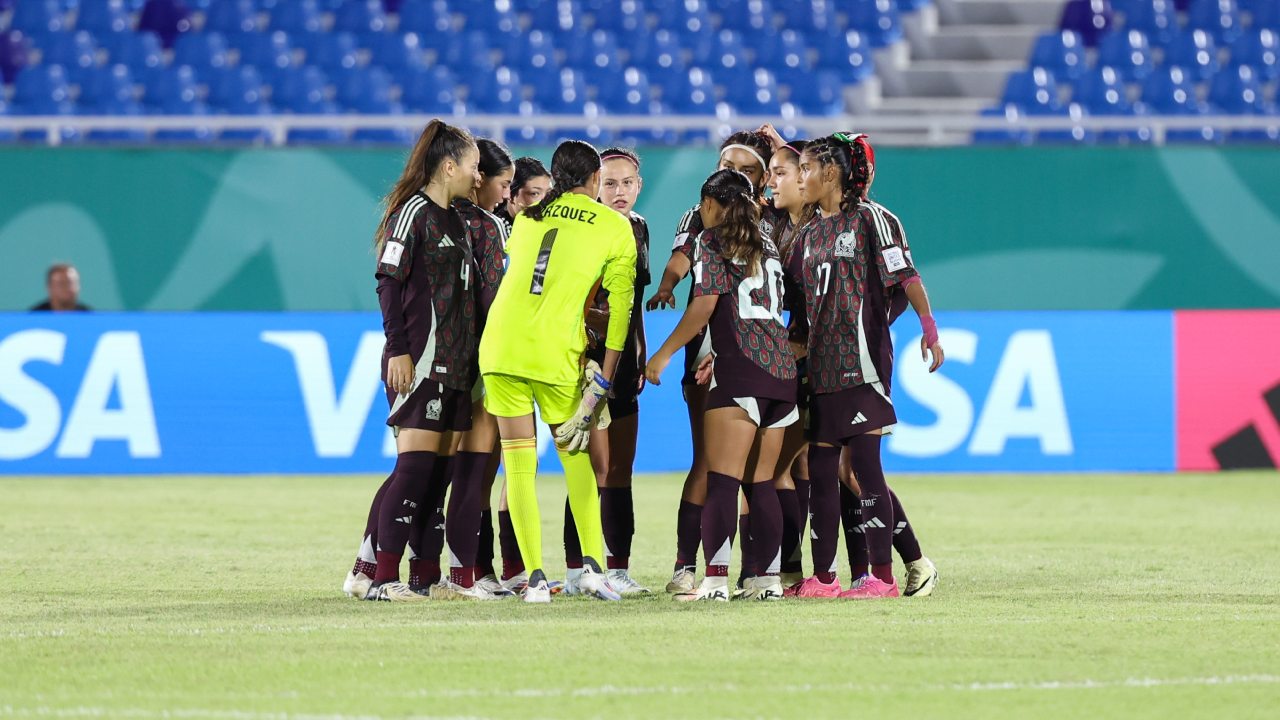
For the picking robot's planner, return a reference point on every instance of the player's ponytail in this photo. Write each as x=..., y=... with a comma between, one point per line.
x=437, y=142
x=739, y=228
x=572, y=165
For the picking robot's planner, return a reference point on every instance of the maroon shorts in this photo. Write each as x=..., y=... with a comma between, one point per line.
x=835, y=417
x=434, y=407
x=764, y=412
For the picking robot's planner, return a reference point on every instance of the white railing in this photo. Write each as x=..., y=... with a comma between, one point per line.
x=923, y=129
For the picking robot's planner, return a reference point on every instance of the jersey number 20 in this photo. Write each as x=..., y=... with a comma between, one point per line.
x=771, y=277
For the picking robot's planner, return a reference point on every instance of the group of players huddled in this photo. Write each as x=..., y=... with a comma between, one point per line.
x=506, y=288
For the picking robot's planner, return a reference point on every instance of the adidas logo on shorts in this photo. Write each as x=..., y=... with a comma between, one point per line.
x=433, y=409
x=859, y=418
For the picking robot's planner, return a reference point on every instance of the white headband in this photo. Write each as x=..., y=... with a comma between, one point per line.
x=763, y=165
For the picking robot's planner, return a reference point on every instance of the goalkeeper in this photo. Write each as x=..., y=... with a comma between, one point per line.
x=531, y=352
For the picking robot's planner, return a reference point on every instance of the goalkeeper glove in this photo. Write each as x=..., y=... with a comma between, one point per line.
x=575, y=433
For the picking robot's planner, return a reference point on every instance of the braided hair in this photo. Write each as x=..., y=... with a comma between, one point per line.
x=739, y=228
x=572, y=165
x=854, y=160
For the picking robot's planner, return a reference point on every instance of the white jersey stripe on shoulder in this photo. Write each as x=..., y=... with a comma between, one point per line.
x=882, y=227
x=894, y=223
x=410, y=211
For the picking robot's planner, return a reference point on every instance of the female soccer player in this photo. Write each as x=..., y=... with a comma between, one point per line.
x=747, y=152
x=738, y=300
x=613, y=450
x=532, y=351
x=529, y=184
x=424, y=271
x=468, y=515
x=849, y=258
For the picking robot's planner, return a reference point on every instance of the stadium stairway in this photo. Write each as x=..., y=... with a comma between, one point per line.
x=960, y=54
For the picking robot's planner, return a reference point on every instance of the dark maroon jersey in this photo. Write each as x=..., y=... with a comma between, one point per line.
x=425, y=271
x=630, y=362
x=487, y=234
x=687, y=231
x=847, y=264
x=748, y=336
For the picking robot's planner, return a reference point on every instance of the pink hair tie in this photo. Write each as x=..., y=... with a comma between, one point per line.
x=620, y=156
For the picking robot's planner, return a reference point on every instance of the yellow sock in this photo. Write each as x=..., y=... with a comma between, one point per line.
x=584, y=500
x=520, y=463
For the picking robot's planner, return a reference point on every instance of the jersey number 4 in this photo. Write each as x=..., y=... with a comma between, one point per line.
x=771, y=277
x=540, y=266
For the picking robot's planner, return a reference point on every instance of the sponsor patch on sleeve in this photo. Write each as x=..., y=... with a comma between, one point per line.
x=680, y=238
x=893, y=259
x=391, y=254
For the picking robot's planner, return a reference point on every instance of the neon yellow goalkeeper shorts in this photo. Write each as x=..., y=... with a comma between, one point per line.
x=511, y=396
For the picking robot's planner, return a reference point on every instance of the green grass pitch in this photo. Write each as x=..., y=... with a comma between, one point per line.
x=1066, y=596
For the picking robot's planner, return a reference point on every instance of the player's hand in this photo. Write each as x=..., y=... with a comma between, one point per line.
x=400, y=374
x=775, y=138
x=664, y=297
x=936, y=349
x=706, y=367
x=653, y=369
x=574, y=434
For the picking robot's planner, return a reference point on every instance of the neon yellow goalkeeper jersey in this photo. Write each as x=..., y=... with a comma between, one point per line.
x=535, y=326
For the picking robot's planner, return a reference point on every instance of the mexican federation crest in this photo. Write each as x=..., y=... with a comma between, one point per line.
x=846, y=245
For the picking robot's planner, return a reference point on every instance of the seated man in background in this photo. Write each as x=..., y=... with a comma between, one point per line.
x=62, y=282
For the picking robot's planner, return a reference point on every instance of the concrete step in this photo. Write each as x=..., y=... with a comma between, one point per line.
x=939, y=78
x=926, y=105
x=1041, y=13
x=978, y=42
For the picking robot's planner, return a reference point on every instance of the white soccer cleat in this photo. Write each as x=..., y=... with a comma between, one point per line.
x=538, y=592
x=357, y=584
x=516, y=583
x=713, y=589
x=596, y=585
x=682, y=582
x=393, y=592
x=475, y=592
x=922, y=578
x=491, y=584
x=571, y=578
x=622, y=581
x=766, y=587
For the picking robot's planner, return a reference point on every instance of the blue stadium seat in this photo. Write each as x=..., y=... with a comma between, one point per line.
x=849, y=53
x=231, y=16
x=751, y=17
x=103, y=17
x=1101, y=91
x=526, y=135
x=563, y=92
x=179, y=97
x=876, y=19
x=822, y=95
x=696, y=96
x=234, y=86
x=166, y=18
x=1076, y=135
x=202, y=51
x=788, y=47
x=1128, y=52
x=682, y=16
x=1171, y=91
x=107, y=85
x=426, y=17
x=1195, y=52
x=39, y=85
x=1267, y=15
x=534, y=52
x=1032, y=89
x=622, y=17
x=360, y=17
x=1090, y=18
x=173, y=85
x=809, y=16
x=1012, y=114
x=599, y=51
x=297, y=17
x=36, y=18
x=14, y=49
x=1155, y=18
x=499, y=92
x=139, y=50
x=470, y=54
x=661, y=48
x=632, y=95
x=908, y=6
x=1258, y=48
x=1239, y=92
x=760, y=96
x=1220, y=18
x=489, y=17
x=264, y=49
x=74, y=51
x=1062, y=52
x=429, y=91
x=299, y=89
x=709, y=48
x=330, y=51
x=45, y=106
x=397, y=52
x=364, y=90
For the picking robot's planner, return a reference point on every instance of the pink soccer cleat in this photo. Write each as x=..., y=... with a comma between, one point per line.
x=871, y=587
x=812, y=587
x=793, y=590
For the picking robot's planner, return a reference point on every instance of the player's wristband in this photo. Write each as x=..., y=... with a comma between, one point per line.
x=929, y=327
x=599, y=380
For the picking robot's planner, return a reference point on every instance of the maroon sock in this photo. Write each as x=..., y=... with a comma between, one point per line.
x=877, y=507
x=688, y=534
x=904, y=536
x=512, y=562
x=424, y=572
x=718, y=517
x=746, y=543
x=484, y=553
x=824, y=509
x=401, y=506
x=792, y=530
x=371, y=522
x=766, y=527
x=462, y=521
x=618, y=518
x=428, y=543
x=572, y=546
x=854, y=539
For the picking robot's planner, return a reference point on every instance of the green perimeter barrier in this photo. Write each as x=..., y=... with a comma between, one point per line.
x=290, y=229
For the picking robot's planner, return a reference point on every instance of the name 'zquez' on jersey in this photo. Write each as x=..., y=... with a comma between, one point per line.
x=748, y=335
x=425, y=248
x=846, y=263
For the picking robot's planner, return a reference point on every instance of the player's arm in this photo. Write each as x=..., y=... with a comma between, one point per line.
x=394, y=260
x=894, y=262
x=679, y=264
x=696, y=316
